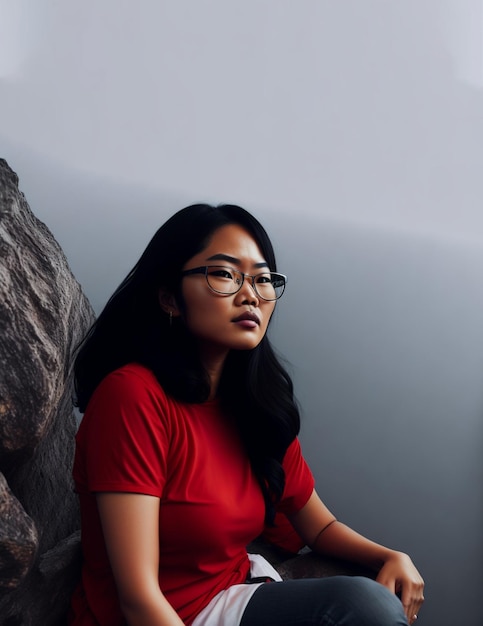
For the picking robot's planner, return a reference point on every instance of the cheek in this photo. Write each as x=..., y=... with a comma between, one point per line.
x=267, y=314
x=193, y=300
x=200, y=307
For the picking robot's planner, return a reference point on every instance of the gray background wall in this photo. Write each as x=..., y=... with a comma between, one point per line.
x=354, y=131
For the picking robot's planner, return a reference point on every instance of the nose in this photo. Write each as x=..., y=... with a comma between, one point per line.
x=247, y=292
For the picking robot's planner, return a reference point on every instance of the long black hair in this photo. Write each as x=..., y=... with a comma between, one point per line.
x=254, y=388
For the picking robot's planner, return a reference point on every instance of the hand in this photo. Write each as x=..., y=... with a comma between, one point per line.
x=400, y=576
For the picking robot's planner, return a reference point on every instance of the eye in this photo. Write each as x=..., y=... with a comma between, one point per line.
x=220, y=272
x=261, y=279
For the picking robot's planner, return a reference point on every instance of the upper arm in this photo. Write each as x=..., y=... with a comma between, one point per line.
x=130, y=523
x=123, y=440
x=312, y=518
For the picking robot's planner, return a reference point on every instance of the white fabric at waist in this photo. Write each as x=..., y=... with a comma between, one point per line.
x=227, y=607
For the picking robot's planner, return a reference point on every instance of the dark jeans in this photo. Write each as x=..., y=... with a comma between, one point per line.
x=333, y=601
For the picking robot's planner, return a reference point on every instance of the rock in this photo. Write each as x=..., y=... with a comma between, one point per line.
x=18, y=539
x=306, y=564
x=43, y=316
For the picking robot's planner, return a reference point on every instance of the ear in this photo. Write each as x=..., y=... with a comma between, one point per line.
x=168, y=302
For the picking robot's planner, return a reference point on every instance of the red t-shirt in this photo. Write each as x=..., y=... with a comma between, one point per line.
x=134, y=438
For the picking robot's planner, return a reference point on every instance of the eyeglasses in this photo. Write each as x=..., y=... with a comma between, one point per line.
x=227, y=281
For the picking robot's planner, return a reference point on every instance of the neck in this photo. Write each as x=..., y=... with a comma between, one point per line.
x=213, y=362
x=214, y=372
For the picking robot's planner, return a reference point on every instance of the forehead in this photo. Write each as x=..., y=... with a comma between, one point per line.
x=232, y=241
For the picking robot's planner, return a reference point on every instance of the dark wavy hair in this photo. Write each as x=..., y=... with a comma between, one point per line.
x=254, y=388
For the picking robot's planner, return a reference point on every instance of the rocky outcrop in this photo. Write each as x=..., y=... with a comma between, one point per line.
x=43, y=315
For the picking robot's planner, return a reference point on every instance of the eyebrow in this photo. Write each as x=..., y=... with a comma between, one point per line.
x=234, y=260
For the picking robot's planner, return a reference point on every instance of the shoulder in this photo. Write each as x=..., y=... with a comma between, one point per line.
x=128, y=403
x=132, y=373
x=131, y=379
x=130, y=392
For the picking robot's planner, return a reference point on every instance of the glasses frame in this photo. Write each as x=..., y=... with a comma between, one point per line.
x=203, y=269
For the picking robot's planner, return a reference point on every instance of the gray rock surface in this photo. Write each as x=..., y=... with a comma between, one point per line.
x=43, y=315
x=306, y=564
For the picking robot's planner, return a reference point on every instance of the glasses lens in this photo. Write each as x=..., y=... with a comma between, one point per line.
x=223, y=279
x=226, y=280
x=269, y=285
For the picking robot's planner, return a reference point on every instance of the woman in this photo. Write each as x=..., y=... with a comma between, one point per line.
x=188, y=448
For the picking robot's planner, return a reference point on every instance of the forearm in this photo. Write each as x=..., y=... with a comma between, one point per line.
x=131, y=525
x=327, y=536
x=338, y=540
x=150, y=611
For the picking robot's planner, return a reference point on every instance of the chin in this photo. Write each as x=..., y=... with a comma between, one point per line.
x=247, y=345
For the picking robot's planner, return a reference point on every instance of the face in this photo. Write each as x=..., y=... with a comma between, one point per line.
x=218, y=320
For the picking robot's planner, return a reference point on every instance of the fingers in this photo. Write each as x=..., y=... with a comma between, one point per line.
x=387, y=581
x=412, y=599
x=410, y=592
x=411, y=614
x=400, y=576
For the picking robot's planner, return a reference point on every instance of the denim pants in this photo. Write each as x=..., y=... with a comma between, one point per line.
x=332, y=601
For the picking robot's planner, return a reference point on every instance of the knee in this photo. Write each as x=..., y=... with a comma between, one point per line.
x=370, y=604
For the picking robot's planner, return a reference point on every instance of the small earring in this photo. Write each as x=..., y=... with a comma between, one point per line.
x=170, y=318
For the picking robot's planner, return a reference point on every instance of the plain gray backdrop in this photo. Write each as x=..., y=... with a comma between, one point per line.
x=354, y=131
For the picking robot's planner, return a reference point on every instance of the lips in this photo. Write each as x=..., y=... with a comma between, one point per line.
x=248, y=317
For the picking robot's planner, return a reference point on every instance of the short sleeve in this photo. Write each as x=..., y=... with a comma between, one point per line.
x=299, y=481
x=299, y=485
x=124, y=435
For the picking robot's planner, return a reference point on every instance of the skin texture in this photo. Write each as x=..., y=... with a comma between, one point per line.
x=130, y=526
x=130, y=521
